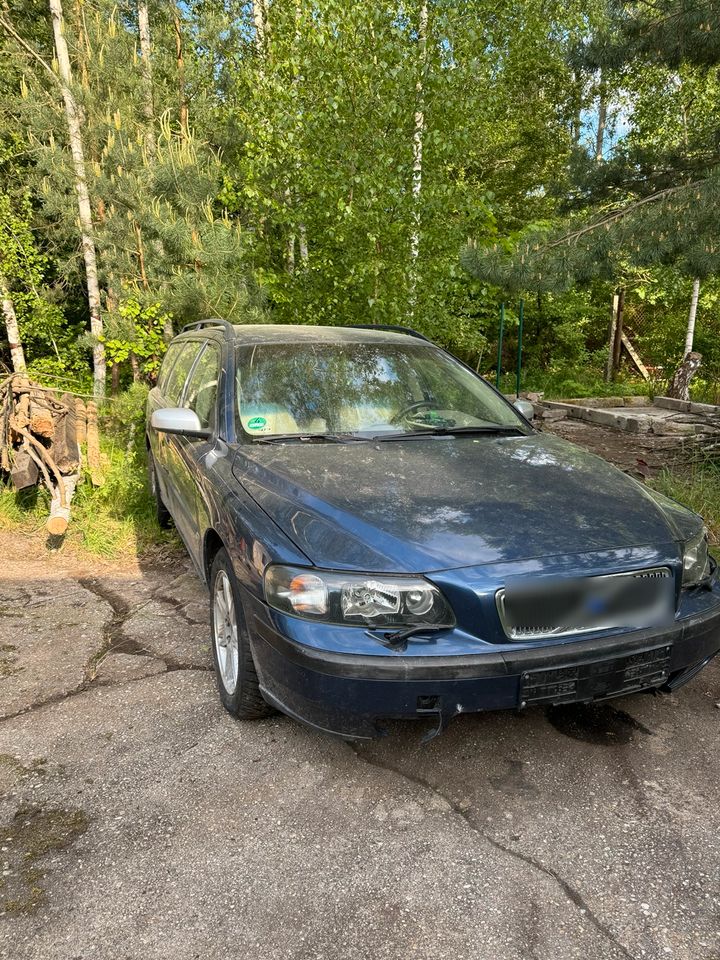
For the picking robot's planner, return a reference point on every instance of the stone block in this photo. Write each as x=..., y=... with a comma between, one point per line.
x=705, y=408
x=606, y=418
x=670, y=403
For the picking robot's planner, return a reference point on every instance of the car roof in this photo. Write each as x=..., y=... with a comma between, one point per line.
x=254, y=333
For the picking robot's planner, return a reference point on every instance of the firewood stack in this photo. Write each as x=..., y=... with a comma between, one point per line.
x=40, y=442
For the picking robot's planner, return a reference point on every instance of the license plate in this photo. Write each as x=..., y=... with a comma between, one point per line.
x=596, y=679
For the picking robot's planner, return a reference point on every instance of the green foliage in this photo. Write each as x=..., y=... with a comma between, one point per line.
x=327, y=160
x=123, y=417
x=291, y=194
x=140, y=332
x=669, y=32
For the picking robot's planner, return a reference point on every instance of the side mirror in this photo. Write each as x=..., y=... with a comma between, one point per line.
x=179, y=421
x=525, y=408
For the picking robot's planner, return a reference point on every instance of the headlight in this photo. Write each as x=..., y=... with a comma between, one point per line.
x=355, y=599
x=696, y=563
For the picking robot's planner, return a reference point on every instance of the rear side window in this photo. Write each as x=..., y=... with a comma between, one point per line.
x=178, y=374
x=168, y=363
x=201, y=393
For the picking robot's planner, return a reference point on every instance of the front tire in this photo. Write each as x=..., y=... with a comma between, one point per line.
x=235, y=673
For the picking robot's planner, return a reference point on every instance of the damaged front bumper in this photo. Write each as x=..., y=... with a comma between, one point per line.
x=349, y=694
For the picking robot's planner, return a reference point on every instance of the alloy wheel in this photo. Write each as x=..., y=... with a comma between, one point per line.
x=225, y=631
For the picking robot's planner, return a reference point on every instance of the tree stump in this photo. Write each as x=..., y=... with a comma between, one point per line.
x=679, y=387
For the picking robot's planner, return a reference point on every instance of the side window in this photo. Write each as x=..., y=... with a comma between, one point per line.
x=178, y=374
x=201, y=393
x=168, y=362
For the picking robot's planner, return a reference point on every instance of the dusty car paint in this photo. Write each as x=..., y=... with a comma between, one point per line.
x=470, y=513
x=450, y=502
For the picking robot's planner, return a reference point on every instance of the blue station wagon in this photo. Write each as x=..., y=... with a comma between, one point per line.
x=385, y=536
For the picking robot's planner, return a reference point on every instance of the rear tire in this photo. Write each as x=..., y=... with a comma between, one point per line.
x=235, y=673
x=161, y=511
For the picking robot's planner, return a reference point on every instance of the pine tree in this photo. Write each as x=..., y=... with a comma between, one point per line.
x=650, y=205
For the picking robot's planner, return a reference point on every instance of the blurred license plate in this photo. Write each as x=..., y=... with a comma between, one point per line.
x=596, y=679
x=532, y=610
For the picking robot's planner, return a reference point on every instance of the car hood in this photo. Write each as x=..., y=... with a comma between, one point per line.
x=443, y=502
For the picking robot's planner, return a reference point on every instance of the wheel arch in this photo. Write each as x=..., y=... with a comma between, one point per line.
x=212, y=544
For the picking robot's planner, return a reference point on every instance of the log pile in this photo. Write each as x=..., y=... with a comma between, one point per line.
x=41, y=434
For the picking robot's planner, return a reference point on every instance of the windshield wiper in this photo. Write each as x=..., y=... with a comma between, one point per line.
x=397, y=639
x=494, y=430
x=310, y=438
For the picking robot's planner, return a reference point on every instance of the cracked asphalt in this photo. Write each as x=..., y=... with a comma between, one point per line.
x=139, y=820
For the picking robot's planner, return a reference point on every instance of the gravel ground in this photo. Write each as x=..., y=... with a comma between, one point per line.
x=139, y=820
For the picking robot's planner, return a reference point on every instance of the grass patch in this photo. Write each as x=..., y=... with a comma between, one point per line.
x=574, y=383
x=117, y=520
x=696, y=486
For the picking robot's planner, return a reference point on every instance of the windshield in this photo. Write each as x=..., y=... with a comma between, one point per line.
x=365, y=389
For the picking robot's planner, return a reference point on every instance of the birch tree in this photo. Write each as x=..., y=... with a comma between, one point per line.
x=690, y=334
x=417, y=147
x=17, y=354
x=87, y=232
x=259, y=15
x=601, y=120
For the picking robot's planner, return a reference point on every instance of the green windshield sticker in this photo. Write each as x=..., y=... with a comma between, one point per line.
x=256, y=423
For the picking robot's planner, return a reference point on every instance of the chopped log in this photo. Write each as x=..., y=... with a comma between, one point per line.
x=65, y=449
x=57, y=522
x=80, y=420
x=93, y=444
x=20, y=410
x=23, y=472
x=42, y=422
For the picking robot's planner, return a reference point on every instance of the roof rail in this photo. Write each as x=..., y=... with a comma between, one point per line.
x=391, y=328
x=215, y=322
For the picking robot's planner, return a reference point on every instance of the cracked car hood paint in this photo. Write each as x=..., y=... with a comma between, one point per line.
x=444, y=502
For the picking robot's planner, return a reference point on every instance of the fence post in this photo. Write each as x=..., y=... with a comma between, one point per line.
x=521, y=316
x=500, y=344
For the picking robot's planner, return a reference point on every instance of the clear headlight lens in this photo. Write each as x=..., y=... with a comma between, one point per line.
x=696, y=561
x=355, y=599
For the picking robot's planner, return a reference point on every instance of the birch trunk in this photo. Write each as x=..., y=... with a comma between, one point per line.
x=602, y=120
x=17, y=354
x=290, y=194
x=259, y=15
x=690, y=335
x=418, y=139
x=72, y=114
x=147, y=72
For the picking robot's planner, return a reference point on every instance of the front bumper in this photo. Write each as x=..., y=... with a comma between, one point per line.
x=348, y=694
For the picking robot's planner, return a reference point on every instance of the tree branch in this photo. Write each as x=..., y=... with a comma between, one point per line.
x=8, y=28
x=619, y=214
